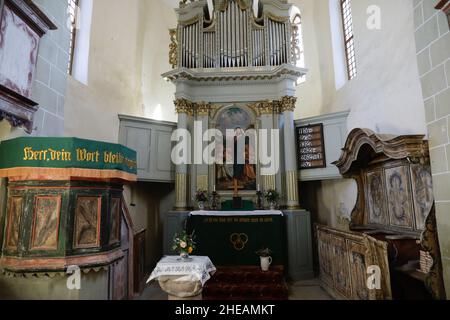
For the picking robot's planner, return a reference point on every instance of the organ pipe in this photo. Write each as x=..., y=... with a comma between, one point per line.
x=234, y=39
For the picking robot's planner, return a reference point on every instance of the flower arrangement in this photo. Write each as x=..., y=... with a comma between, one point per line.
x=201, y=197
x=265, y=252
x=184, y=243
x=272, y=196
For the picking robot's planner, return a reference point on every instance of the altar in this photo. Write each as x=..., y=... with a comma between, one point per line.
x=232, y=238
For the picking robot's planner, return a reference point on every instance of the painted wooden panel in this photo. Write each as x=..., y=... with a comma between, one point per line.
x=87, y=222
x=326, y=267
x=17, y=64
x=114, y=234
x=358, y=270
x=376, y=198
x=341, y=268
x=422, y=185
x=14, y=221
x=46, y=217
x=399, y=197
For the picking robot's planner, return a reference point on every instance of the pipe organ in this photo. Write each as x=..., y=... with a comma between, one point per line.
x=234, y=37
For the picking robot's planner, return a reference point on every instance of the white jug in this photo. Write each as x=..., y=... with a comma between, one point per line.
x=265, y=263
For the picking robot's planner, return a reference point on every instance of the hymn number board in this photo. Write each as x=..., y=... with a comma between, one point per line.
x=311, y=147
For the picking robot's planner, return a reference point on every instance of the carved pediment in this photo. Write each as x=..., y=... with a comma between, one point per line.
x=364, y=145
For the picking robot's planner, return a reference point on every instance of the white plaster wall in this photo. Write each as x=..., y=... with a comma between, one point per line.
x=385, y=96
x=128, y=53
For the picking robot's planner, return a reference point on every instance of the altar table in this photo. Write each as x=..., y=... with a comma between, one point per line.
x=232, y=238
x=182, y=279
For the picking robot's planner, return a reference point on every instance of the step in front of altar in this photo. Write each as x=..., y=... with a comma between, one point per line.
x=247, y=283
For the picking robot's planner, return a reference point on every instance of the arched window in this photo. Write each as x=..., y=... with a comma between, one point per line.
x=73, y=11
x=347, y=20
x=80, y=18
x=297, y=40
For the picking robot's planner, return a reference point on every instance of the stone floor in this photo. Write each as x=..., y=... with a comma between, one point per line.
x=301, y=290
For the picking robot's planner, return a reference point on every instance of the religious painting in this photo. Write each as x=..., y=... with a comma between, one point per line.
x=422, y=184
x=114, y=234
x=46, y=223
x=399, y=196
x=14, y=219
x=377, y=199
x=87, y=222
x=238, y=168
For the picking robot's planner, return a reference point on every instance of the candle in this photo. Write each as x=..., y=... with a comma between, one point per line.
x=214, y=188
x=258, y=188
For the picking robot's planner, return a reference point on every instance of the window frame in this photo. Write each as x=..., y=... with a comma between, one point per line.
x=73, y=32
x=349, y=41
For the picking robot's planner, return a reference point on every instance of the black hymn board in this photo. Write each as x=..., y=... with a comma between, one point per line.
x=311, y=147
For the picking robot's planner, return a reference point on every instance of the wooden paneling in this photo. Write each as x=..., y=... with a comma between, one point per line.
x=152, y=141
x=341, y=267
x=299, y=245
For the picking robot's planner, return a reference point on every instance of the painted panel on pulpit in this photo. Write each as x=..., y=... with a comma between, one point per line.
x=14, y=218
x=399, y=197
x=46, y=223
x=87, y=222
x=238, y=151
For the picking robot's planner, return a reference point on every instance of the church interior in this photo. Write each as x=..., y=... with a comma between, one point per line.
x=224, y=150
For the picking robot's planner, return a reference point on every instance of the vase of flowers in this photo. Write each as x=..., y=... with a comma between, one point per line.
x=266, y=259
x=201, y=197
x=272, y=197
x=184, y=244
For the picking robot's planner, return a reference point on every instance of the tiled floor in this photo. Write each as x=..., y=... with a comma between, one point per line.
x=301, y=290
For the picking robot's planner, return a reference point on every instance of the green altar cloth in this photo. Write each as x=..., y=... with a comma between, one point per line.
x=228, y=206
x=233, y=240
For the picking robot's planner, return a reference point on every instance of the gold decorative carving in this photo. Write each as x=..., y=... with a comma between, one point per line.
x=173, y=48
x=183, y=106
x=265, y=107
x=287, y=104
x=202, y=108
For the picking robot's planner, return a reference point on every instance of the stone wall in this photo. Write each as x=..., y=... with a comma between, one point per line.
x=49, y=87
x=433, y=57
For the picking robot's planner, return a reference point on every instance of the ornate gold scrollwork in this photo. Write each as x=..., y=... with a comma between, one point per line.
x=287, y=104
x=173, y=48
x=203, y=108
x=183, y=106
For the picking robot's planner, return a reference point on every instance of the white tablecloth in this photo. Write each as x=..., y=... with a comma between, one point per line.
x=237, y=213
x=197, y=269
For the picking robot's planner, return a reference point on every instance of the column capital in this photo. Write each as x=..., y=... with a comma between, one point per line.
x=202, y=108
x=287, y=103
x=265, y=107
x=183, y=106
